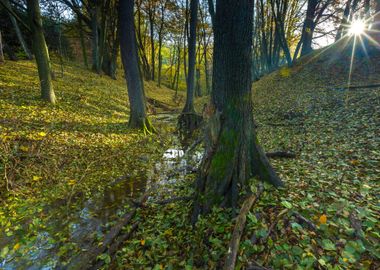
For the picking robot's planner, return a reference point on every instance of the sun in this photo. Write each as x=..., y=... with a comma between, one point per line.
x=357, y=28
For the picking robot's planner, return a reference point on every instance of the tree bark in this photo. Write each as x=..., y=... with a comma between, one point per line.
x=129, y=57
x=189, y=106
x=234, y=154
x=308, y=27
x=40, y=51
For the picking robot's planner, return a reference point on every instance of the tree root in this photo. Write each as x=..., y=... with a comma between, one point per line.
x=142, y=123
x=233, y=247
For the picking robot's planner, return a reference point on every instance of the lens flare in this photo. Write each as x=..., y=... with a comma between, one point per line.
x=357, y=28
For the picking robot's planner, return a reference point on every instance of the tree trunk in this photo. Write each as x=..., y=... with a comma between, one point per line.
x=234, y=154
x=40, y=51
x=159, y=60
x=153, y=50
x=1, y=49
x=129, y=57
x=189, y=106
x=343, y=23
x=96, y=65
x=19, y=33
x=375, y=33
x=308, y=27
x=82, y=42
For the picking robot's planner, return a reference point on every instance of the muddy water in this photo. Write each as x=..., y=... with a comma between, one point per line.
x=87, y=221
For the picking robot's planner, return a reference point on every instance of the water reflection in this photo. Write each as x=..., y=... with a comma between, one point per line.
x=88, y=221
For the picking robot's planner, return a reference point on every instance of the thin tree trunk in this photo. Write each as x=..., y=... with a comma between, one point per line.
x=343, y=23
x=82, y=42
x=189, y=106
x=1, y=49
x=40, y=51
x=128, y=48
x=234, y=154
x=96, y=65
x=19, y=33
x=152, y=46
x=159, y=60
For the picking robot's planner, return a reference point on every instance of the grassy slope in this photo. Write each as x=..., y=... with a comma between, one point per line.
x=51, y=152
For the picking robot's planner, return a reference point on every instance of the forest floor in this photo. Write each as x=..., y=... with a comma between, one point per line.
x=56, y=159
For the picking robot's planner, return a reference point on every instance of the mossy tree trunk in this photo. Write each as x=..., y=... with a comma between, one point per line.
x=129, y=57
x=40, y=50
x=234, y=154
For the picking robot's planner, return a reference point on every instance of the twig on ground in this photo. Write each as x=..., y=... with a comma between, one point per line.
x=175, y=199
x=233, y=247
x=305, y=221
x=281, y=154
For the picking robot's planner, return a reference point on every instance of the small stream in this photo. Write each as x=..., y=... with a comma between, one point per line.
x=87, y=221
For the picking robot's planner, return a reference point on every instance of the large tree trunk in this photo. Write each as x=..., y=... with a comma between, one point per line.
x=308, y=27
x=234, y=154
x=19, y=33
x=129, y=57
x=40, y=51
x=189, y=106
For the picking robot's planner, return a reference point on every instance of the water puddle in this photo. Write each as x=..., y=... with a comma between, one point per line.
x=68, y=229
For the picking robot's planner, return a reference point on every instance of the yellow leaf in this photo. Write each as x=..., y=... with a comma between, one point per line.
x=42, y=134
x=345, y=259
x=142, y=242
x=24, y=148
x=17, y=246
x=285, y=72
x=37, y=178
x=323, y=219
x=71, y=182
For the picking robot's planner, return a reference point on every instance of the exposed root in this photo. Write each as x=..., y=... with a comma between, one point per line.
x=142, y=123
x=188, y=122
x=232, y=157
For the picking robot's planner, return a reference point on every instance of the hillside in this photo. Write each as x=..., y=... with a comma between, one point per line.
x=334, y=181
x=70, y=169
